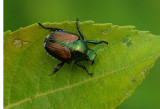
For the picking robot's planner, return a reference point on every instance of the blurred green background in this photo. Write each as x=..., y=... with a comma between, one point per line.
x=144, y=14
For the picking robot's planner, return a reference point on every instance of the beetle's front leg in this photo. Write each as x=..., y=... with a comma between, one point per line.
x=92, y=62
x=81, y=65
x=50, y=28
x=57, y=68
x=96, y=42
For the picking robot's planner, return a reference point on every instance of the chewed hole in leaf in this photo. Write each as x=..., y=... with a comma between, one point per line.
x=17, y=43
x=100, y=47
x=25, y=43
x=144, y=71
x=133, y=80
x=129, y=44
x=126, y=41
x=106, y=31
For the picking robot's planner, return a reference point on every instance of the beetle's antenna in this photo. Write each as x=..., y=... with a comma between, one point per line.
x=79, y=29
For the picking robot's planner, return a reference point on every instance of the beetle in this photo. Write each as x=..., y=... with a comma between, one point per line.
x=67, y=47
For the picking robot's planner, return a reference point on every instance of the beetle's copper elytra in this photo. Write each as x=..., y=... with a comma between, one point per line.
x=66, y=47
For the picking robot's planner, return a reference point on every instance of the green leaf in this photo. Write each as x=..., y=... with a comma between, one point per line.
x=118, y=69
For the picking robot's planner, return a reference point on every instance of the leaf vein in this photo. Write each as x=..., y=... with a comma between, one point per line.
x=77, y=84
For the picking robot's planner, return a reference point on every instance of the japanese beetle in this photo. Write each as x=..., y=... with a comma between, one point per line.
x=67, y=47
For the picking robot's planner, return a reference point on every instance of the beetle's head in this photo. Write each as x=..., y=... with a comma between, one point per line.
x=91, y=55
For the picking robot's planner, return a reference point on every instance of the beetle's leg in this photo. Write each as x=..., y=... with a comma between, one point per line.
x=50, y=28
x=81, y=65
x=92, y=62
x=57, y=68
x=96, y=42
x=79, y=29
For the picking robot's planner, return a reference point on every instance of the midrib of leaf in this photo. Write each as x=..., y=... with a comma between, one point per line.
x=80, y=83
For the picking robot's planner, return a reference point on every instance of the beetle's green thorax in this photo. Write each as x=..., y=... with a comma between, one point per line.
x=78, y=46
x=91, y=55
